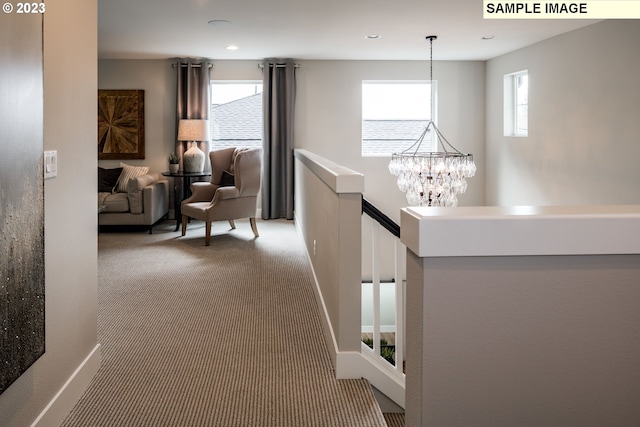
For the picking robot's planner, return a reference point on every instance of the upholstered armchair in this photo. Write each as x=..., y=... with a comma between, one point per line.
x=232, y=193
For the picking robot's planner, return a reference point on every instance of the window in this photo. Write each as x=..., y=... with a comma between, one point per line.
x=394, y=114
x=516, y=104
x=236, y=114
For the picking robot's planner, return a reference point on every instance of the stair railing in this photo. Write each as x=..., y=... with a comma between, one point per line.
x=383, y=224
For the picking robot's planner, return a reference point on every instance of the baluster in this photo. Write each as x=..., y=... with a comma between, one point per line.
x=400, y=297
x=375, y=268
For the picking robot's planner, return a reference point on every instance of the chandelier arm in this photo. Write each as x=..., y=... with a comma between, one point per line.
x=419, y=142
x=442, y=138
x=426, y=130
x=416, y=144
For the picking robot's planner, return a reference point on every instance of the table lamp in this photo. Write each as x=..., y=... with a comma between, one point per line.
x=193, y=130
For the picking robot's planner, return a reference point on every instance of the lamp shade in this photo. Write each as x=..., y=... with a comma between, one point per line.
x=193, y=130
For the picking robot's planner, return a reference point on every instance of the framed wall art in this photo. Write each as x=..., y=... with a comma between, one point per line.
x=22, y=259
x=120, y=124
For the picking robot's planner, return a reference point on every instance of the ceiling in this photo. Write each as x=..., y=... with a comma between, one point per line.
x=313, y=29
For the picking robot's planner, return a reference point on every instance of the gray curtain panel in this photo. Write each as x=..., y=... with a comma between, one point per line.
x=193, y=99
x=279, y=93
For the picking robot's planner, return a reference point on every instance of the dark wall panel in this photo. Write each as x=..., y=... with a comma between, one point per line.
x=22, y=331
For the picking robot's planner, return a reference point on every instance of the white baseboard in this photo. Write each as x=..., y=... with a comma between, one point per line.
x=64, y=400
x=329, y=336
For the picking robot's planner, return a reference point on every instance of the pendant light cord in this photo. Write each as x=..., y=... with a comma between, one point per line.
x=431, y=39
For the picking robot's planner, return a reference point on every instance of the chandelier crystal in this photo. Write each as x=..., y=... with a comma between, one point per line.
x=432, y=178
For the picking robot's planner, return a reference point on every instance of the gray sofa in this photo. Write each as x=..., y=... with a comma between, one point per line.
x=145, y=202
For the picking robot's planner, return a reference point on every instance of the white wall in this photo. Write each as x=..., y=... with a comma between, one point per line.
x=329, y=114
x=584, y=103
x=70, y=111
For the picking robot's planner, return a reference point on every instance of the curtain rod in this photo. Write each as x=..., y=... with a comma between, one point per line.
x=175, y=65
x=278, y=65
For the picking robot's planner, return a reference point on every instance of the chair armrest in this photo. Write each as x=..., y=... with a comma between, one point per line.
x=201, y=192
x=225, y=193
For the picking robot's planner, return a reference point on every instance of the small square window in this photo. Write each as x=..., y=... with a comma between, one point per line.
x=516, y=104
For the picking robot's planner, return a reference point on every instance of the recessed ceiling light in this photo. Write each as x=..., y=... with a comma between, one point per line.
x=372, y=36
x=219, y=23
x=232, y=47
x=490, y=37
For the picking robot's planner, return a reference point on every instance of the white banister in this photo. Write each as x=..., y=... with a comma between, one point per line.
x=400, y=267
x=375, y=268
x=328, y=214
x=389, y=246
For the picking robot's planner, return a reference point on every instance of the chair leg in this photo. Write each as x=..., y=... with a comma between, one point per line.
x=253, y=227
x=232, y=224
x=184, y=225
x=207, y=236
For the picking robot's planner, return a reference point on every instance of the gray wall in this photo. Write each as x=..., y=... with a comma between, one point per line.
x=158, y=80
x=584, y=104
x=70, y=84
x=328, y=117
x=523, y=341
x=328, y=111
x=330, y=226
x=583, y=108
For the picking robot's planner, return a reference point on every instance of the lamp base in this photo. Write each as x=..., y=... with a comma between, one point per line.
x=193, y=159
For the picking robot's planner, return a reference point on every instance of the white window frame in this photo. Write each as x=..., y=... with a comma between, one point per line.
x=433, y=87
x=512, y=125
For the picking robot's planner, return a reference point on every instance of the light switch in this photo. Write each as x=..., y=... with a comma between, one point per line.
x=50, y=164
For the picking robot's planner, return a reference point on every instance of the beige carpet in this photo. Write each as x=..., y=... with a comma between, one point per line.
x=227, y=335
x=394, y=419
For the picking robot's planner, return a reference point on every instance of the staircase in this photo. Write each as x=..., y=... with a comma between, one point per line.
x=328, y=215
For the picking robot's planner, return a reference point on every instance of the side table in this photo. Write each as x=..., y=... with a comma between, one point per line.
x=187, y=178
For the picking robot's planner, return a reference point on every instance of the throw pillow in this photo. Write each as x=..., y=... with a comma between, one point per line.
x=107, y=179
x=227, y=180
x=129, y=172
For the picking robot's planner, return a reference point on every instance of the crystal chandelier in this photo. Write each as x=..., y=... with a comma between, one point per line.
x=432, y=178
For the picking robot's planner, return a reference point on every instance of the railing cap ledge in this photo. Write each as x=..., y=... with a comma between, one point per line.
x=339, y=178
x=521, y=230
